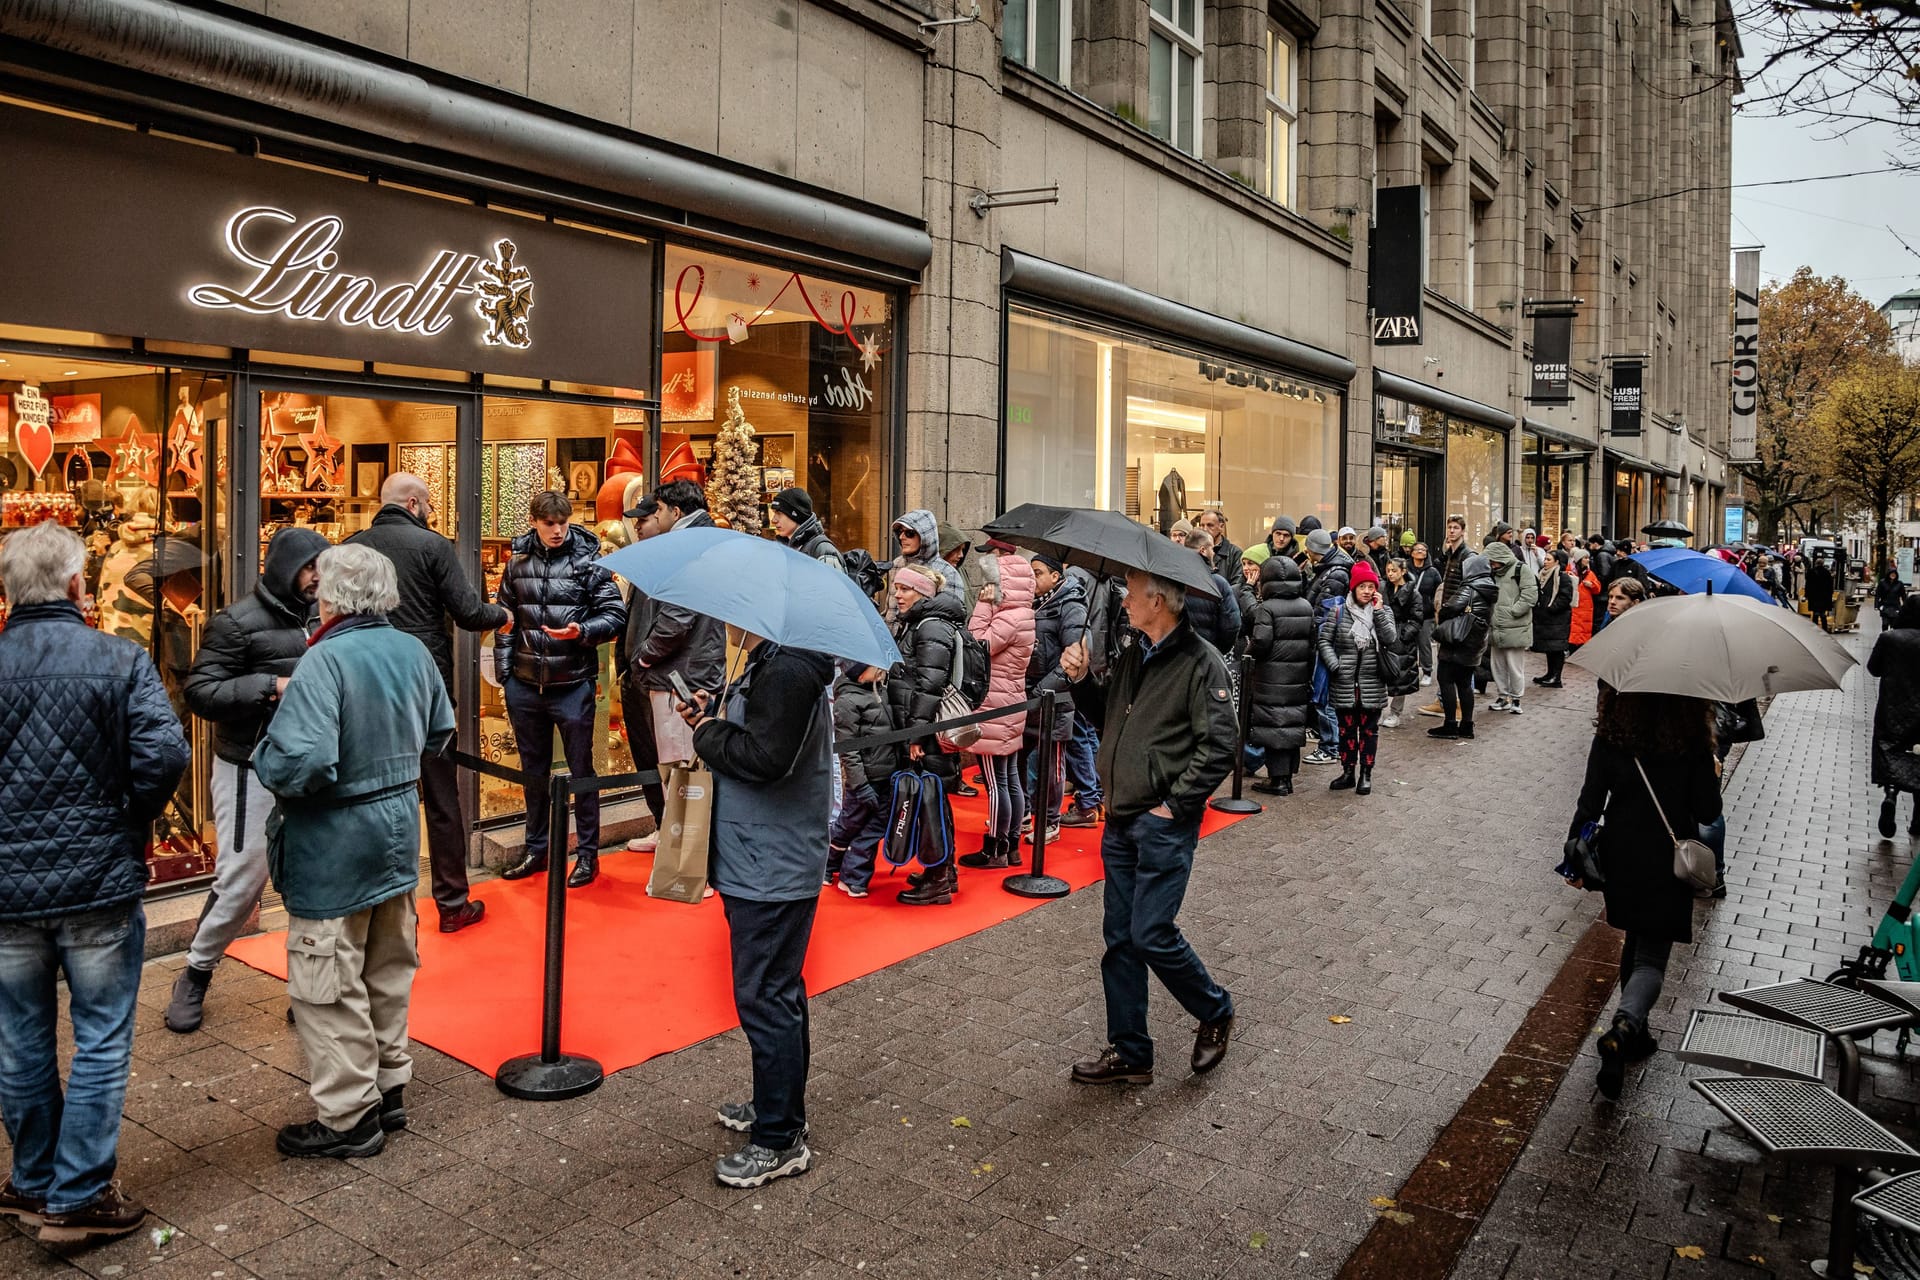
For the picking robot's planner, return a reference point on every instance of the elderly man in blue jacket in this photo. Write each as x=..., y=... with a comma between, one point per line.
x=343, y=847
x=90, y=752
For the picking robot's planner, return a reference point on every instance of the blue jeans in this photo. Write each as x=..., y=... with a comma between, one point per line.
x=1714, y=836
x=1148, y=860
x=535, y=715
x=1079, y=752
x=65, y=1148
x=1328, y=725
x=856, y=835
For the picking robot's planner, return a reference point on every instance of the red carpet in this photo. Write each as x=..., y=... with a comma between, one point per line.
x=645, y=977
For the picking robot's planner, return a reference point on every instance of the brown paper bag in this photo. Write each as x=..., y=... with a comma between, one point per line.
x=680, y=861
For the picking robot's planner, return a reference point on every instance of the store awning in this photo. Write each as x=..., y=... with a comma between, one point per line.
x=1392, y=384
x=278, y=84
x=1560, y=436
x=1632, y=463
x=1098, y=296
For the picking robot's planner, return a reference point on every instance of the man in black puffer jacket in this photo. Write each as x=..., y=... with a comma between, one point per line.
x=90, y=752
x=796, y=523
x=246, y=655
x=927, y=623
x=435, y=595
x=1460, y=657
x=564, y=608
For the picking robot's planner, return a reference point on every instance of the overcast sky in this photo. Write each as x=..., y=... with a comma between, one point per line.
x=1837, y=228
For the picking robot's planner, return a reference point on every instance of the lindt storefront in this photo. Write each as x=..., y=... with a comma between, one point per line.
x=199, y=347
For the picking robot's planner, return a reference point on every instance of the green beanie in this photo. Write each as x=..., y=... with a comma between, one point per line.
x=1256, y=554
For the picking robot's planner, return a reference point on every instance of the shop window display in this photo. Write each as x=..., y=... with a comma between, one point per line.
x=1476, y=476
x=128, y=456
x=1161, y=434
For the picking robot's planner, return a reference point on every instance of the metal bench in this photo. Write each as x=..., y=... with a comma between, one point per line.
x=1801, y=1120
x=1753, y=1046
x=1897, y=1200
x=1838, y=1013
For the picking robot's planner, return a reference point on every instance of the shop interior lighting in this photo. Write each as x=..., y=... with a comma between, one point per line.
x=69, y=373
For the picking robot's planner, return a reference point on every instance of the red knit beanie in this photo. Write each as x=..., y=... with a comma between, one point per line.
x=1362, y=572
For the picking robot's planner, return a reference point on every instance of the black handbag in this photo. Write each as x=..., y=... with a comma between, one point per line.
x=1456, y=630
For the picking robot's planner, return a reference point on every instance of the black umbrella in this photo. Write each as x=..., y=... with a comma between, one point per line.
x=1666, y=529
x=1104, y=543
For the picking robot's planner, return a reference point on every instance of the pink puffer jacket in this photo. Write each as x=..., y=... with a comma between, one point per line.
x=1007, y=627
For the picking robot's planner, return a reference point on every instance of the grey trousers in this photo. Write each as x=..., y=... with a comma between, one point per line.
x=1643, y=971
x=239, y=868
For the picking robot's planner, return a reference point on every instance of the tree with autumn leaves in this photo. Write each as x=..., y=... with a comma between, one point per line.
x=1815, y=332
x=1867, y=431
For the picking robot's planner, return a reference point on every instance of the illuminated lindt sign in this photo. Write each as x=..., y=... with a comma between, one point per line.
x=297, y=274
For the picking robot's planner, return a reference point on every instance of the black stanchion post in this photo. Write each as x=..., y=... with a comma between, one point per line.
x=550, y=1075
x=1236, y=803
x=1037, y=883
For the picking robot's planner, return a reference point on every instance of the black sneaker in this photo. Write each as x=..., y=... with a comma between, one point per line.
x=755, y=1166
x=1111, y=1068
x=393, y=1109
x=315, y=1141
x=739, y=1117
x=185, y=1007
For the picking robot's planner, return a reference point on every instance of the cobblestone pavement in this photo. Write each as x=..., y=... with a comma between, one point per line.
x=1382, y=951
x=1616, y=1188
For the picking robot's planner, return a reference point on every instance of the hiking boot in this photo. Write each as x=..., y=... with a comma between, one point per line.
x=393, y=1109
x=528, y=865
x=1364, y=785
x=1344, y=782
x=1433, y=709
x=25, y=1210
x=314, y=1141
x=1444, y=731
x=936, y=890
x=992, y=854
x=1210, y=1044
x=467, y=913
x=107, y=1215
x=1078, y=817
x=184, y=1007
x=739, y=1117
x=1320, y=756
x=1111, y=1068
x=1887, y=829
x=755, y=1166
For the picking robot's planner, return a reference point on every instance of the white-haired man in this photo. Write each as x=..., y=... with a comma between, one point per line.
x=90, y=752
x=345, y=842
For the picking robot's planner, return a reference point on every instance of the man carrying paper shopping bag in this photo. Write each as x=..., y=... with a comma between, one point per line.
x=773, y=788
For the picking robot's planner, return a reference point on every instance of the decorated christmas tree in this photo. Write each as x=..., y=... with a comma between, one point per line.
x=733, y=488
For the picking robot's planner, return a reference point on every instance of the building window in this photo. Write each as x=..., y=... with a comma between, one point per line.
x=1115, y=423
x=1038, y=34
x=1283, y=114
x=1174, y=50
x=1476, y=476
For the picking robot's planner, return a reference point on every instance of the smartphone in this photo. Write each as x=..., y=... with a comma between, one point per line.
x=680, y=689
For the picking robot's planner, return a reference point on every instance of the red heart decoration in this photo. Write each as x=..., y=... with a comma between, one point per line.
x=36, y=444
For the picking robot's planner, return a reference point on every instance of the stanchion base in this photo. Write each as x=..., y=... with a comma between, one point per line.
x=1026, y=886
x=537, y=1081
x=1227, y=804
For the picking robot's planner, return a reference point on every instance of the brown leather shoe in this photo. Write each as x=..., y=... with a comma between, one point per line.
x=1111, y=1068
x=25, y=1210
x=1210, y=1044
x=106, y=1215
x=460, y=917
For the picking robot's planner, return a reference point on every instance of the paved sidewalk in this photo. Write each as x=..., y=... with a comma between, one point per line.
x=1382, y=951
x=1615, y=1188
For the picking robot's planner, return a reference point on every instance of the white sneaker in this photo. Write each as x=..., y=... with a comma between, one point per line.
x=1390, y=722
x=1514, y=707
x=644, y=844
x=1321, y=757
x=1499, y=704
x=1426, y=678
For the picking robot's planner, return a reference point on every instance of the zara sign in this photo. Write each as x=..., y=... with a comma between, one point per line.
x=137, y=236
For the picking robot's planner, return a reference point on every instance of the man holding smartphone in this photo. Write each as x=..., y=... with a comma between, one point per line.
x=564, y=607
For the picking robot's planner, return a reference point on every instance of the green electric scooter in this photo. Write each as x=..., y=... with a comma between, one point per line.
x=1895, y=945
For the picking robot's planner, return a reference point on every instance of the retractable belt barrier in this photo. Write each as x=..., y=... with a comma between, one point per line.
x=550, y=1075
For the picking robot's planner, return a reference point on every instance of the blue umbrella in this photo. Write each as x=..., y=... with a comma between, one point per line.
x=1692, y=572
x=760, y=586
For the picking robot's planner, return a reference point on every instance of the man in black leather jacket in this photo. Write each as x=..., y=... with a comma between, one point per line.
x=246, y=655
x=564, y=606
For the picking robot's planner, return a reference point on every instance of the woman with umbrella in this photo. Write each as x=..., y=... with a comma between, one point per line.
x=1896, y=716
x=1651, y=771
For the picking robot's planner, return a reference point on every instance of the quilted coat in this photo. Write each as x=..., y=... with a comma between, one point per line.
x=1328, y=580
x=858, y=712
x=926, y=635
x=1354, y=675
x=1518, y=591
x=234, y=681
x=1006, y=624
x=342, y=758
x=1216, y=621
x=1475, y=595
x=1279, y=668
x=1059, y=622
x=1896, y=716
x=90, y=752
x=551, y=587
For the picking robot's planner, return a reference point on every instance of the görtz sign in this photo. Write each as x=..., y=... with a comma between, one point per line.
x=130, y=235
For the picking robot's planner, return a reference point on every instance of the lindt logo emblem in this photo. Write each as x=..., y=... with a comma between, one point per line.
x=297, y=274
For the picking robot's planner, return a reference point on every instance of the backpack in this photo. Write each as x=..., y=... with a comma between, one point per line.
x=972, y=666
x=860, y=566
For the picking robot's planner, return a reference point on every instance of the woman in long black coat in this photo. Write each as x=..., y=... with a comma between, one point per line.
x=1670, y=738
x=1896, y=716
x=1553, y=618
x=1279, y=676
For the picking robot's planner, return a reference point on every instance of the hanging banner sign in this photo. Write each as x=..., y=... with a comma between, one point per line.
x=1396, y=266
x=1625, y=417
x=1552, y=351
x=1743, y=440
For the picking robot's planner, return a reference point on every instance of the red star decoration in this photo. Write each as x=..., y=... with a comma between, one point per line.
x=753, y=283
x=323, y=456
x=137, y=456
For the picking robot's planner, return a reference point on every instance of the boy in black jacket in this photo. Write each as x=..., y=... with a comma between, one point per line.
x=855, y=837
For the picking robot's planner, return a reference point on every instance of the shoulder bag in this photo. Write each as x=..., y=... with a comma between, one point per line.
x=1692, y=860
x=954, y=704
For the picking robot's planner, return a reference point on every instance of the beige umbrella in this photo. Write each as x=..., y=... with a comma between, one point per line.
x=1720, y=647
